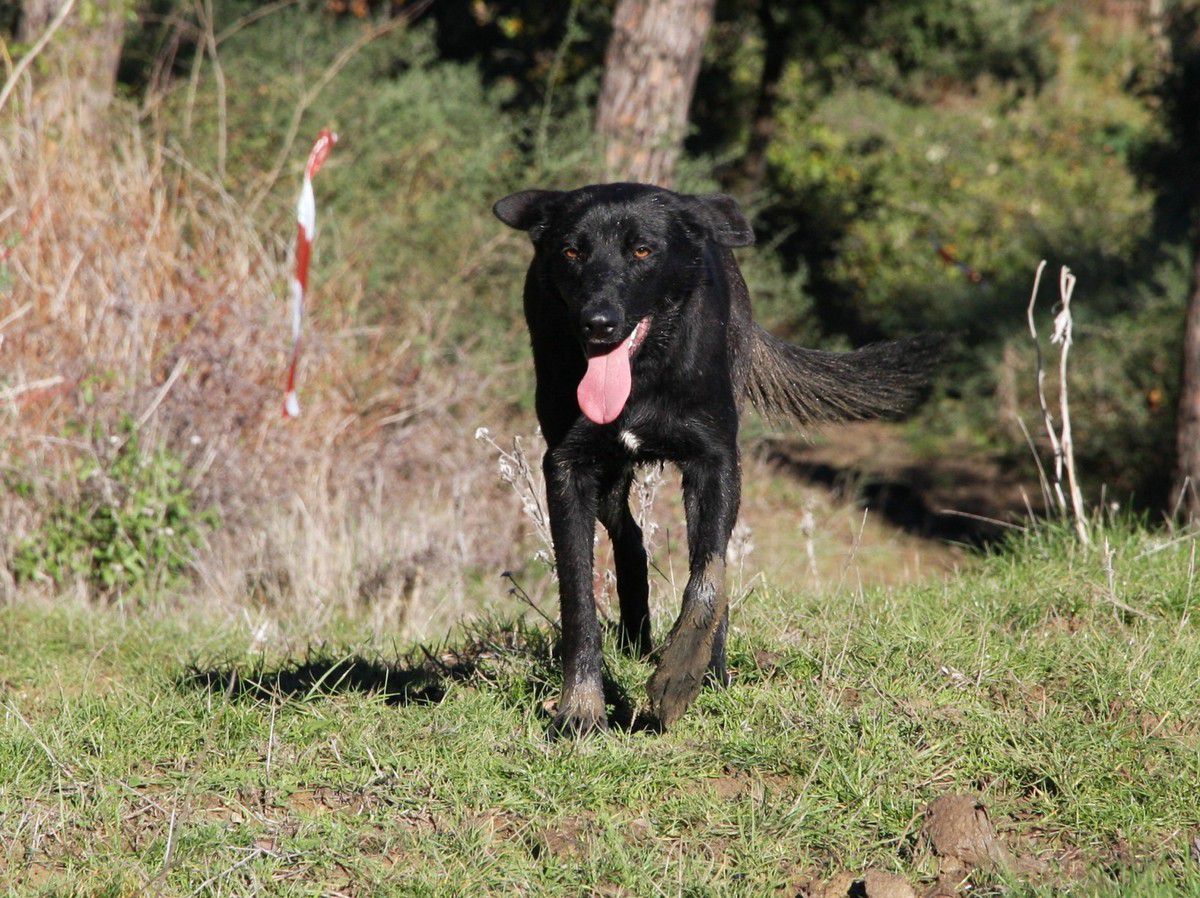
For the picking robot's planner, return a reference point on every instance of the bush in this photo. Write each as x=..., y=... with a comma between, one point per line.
x=908, y=192
x=132, y=523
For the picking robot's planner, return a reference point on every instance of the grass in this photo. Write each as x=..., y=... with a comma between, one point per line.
x=146, y=753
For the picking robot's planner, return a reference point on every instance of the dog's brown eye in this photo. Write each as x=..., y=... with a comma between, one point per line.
x=642, y=252
x=571, y=253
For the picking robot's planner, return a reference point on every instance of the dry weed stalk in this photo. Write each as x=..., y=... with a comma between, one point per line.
x=526, y=481
x=1061, y=442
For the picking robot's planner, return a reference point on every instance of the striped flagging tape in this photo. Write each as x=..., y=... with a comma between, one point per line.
x=306, y=232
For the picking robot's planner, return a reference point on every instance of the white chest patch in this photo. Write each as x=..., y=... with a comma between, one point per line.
x=632, y=443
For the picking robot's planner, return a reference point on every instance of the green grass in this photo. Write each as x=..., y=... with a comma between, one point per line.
x=144, y=753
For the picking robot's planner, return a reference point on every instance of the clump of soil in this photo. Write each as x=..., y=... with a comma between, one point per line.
x=872, y=884
x=877, y=884
x=961, y=834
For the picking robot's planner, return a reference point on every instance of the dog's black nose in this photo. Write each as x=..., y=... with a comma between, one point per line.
x=600, y=324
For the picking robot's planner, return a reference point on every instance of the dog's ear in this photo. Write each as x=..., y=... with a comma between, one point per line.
x=526, y=211
x=724, y=219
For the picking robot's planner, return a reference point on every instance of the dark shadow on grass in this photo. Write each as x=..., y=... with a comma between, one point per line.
x=398, y=683
x=509, y=659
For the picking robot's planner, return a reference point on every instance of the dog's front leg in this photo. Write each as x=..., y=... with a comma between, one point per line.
x=571, y=500
x=711, y=492
x=629, y=553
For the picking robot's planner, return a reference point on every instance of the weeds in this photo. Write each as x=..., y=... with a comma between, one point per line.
x=524, y=477
x=133, y=524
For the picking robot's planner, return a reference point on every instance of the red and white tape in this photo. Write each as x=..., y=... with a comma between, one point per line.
x=306, y=232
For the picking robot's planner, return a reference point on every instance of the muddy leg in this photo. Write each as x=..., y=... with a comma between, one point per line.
x=571, y=501
x=629, y=553
x=711, y=490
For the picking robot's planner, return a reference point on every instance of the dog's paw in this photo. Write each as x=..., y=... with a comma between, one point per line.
x=571, y=726
x=580, y=711
x=680, y=674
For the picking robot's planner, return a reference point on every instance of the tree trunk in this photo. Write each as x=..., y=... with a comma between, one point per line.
x=81, y=59
x=650, y=72
x=762, y=129
x=1187, y=426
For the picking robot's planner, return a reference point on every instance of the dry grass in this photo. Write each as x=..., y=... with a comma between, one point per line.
x=137, y=288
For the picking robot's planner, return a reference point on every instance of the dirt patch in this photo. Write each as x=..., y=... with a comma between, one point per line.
x=766, y=661
x=846, y=696
x=568, y=839
x=640, y=829
x=877, y=884
x=1145, y=722
x=734, y=783
x=323, y=799
x=498, y=824
x=729, y=788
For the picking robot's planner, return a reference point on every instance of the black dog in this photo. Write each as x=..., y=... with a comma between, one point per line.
x=644, y=349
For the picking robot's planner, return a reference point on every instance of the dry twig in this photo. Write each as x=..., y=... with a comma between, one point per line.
x=1060, y=440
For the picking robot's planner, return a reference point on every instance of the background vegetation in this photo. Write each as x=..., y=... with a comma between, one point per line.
x=922, y=158
x=905, y=167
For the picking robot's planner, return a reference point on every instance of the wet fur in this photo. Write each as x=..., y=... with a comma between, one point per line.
x=701, y=357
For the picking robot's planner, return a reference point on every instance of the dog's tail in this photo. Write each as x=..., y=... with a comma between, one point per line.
x=883, y=380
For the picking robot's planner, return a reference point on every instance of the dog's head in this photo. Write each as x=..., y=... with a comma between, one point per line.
x=617, y=254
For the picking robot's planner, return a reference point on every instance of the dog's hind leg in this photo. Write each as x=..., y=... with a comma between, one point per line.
x=629, y=554
x=571, y=501
x=712, y=489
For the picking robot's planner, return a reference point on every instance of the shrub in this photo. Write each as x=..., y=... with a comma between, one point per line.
x=909, y=191
x=132, y=523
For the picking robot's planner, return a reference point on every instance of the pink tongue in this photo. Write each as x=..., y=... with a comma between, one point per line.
x=605, y=388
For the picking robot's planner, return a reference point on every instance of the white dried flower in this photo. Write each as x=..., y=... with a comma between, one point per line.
x=1062, y=326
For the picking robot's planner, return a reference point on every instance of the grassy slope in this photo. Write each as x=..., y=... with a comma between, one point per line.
x=1077, y=722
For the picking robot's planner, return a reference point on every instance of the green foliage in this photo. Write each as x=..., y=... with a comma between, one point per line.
x=132, y=524
x=992, y=183
x=906, y=47
x=912, y=50
x=959, y=40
